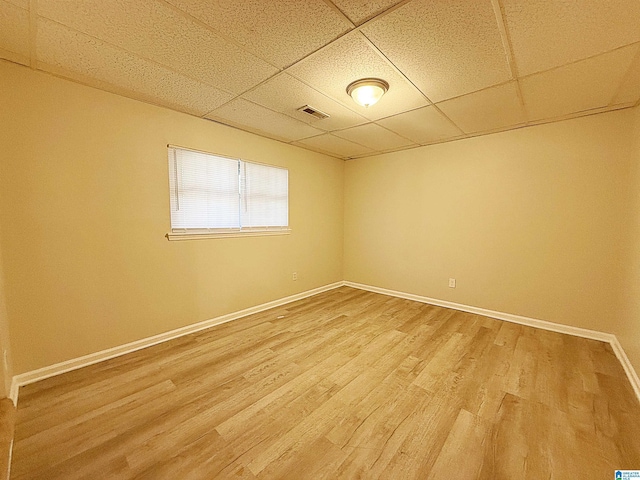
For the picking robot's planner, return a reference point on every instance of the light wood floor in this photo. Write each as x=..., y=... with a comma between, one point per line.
x=346, y=384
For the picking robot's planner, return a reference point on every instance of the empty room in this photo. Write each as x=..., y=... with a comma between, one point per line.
x=307, y=239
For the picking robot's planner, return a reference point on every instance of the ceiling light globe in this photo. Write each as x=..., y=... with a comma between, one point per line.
x=368, y=91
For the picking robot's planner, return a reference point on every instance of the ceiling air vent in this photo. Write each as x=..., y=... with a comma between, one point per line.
x=314, y=112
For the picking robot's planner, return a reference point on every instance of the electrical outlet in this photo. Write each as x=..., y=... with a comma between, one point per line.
x=452, y=283
x=294, y=276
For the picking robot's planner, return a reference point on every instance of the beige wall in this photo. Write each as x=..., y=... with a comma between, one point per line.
x=6, y=369
x=542, y=222
x=628, y=329
x=84, y=205
x=529, y=222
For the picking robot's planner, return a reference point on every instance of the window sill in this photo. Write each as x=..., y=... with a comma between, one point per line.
x=232, y=234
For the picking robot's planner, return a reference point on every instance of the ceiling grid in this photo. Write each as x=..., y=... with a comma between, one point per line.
x=455, y=69
x=163, y=66
x=204, y=25
x=506, y=42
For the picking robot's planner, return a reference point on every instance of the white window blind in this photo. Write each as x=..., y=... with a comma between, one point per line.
x=265, y=192
x=214, y=194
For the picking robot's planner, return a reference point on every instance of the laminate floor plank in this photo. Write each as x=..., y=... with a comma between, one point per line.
x=345, y=384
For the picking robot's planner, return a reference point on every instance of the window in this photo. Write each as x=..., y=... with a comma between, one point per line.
x=215, y=196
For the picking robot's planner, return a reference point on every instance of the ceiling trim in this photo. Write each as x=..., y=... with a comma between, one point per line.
x=582, y=113
x=81, y=79
x=146, y=59
x=14, y=57
x=29, y=21
x=581, y=60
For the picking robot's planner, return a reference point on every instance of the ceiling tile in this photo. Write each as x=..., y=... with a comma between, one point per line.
x=359, y=11
x=196, y=56
x=352, y=58
x=14, y=30
x=280, y=32
x=546, y=34
x=375, y=137
x=287, y=94
x=629, y=90
x=446, y=48
x=242, y=113
x=495, y=107
x=160, y=33
x=425, y=125
x=335, y=145
x=77, y=53
x=580, y=86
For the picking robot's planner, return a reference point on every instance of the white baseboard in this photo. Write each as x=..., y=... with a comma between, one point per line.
x=531, y=322
x=626, y=364
x=13, y=392
x=86, y=360
x=10, y=458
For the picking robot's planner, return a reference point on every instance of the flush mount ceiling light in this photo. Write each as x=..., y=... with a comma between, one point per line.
x=367, y=91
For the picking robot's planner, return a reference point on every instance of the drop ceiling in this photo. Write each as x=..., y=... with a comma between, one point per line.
x=456, y=68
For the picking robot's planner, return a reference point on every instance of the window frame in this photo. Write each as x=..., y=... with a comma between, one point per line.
x=232, y=232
